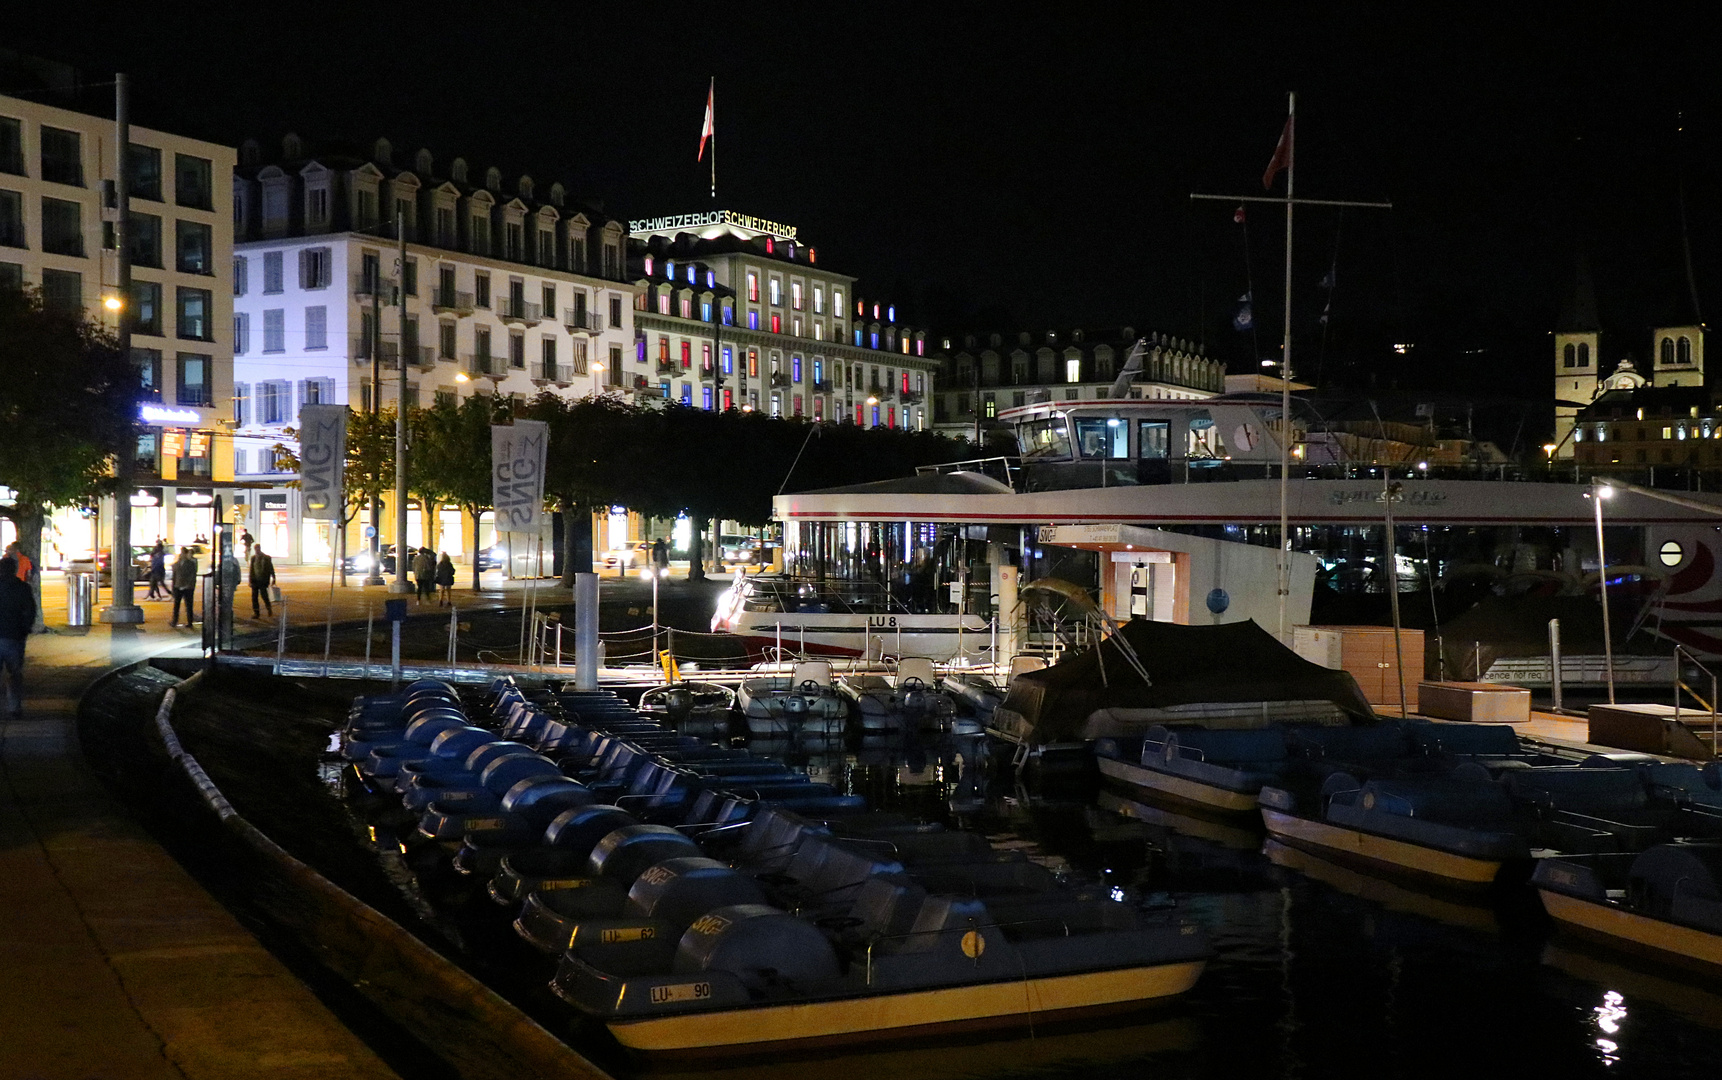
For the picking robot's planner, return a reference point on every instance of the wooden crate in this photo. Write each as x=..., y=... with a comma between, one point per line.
x=1488, y=703
x=1367, y=653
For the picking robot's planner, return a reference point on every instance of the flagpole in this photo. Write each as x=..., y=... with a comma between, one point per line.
x=711, y=103
x=1286, y=375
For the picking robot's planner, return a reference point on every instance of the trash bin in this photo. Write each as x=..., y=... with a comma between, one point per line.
x=80, y=597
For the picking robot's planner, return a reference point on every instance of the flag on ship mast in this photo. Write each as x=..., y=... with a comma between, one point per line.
x=1282, y=158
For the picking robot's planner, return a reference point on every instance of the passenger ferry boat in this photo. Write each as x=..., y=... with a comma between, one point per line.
x=1169, y=510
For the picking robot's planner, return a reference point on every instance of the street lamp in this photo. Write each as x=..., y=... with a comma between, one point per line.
x=112, y=303
x=461, y=377
x=1598, y=492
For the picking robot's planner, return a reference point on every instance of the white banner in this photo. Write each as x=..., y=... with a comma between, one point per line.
x=517, y=474
x=322, y=460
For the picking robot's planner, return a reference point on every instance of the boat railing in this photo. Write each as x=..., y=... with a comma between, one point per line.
x=1681, y=653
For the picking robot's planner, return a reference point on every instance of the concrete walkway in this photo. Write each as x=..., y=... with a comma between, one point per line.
x=113, y=961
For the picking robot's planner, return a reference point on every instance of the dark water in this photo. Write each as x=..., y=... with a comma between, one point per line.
x=1320, y=971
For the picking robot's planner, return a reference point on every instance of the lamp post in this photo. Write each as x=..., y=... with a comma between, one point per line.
x=1598, y=492
x=121, y=609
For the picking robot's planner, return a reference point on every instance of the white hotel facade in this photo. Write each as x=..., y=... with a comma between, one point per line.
x=56, y=235
x=503, y=291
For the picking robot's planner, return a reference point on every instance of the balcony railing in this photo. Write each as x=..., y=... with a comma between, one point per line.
x=589, y=321
x=667, y=367
x=446, y=301
x=366, y=286
x=780, y=378
x=517, y=311
x=482, y=366
x=561, y=374
x=822, y=386
x=421, y=355
x=387, y=352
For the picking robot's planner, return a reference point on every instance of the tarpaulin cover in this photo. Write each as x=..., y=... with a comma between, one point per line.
x=1231, y=662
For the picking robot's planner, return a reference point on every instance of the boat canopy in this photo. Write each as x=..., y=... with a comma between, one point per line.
x=1189, y=665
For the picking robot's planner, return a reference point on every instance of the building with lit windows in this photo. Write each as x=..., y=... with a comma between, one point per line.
x=57, y=234
x=986, y=374
x=735, y=312
x=506, y=289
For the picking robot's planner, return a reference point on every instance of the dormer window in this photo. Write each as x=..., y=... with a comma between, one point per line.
x=648, y=266
x=317, y=206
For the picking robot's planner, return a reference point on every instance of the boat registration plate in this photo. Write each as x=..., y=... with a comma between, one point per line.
x=483, y=824
x=620, y=934
x=665, y=995
x=553, y=884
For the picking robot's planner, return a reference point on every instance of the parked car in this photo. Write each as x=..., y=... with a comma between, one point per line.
x=360, y=561
x=99, y=561
x=741, y=549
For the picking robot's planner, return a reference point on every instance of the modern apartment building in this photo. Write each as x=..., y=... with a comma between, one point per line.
x=510, y=290
x=986, y=374
x=736, y=312
x=57, y=216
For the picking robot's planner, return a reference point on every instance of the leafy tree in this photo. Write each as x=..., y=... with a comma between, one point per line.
x=451, y=458
x=68, y=404
x=601, y=454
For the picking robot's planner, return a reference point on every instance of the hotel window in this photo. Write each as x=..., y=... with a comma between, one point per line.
x=317, y=327
x=753, y=286
x=706, y=398
x=194, y=379
x=12, y=220
x=1072, y=371
x=875, y=338
x=481, y=350
x=753, y=363
x=11, y=146
x=665, y=387
x=191, y=182
x=905, y=382
x=547, y=354
x=705, y=311
x=315, y=265
x=275, y=330
x=445, y=226
x=272, y=272
x=795, y=369
x=241, y=333
x=517, y=350
x=836, y=302
x=615, y=312
x=818, y=330
x=62, y=156
x=795, y=327
x=776, y=292
x=777, y=404
x=818, y=370
x=795, y=295
x=687, y=307
x=818, y=301
x=148, y=364
x=549, y=308
x=706, y=356
x=687, y=355
x=753, y=320
x=481, y=290
x=410, y=277
x=663, y=350
x=728, y=315
x=480, y=235
x=728, y=399
x=728, y=361
x=875, y=416
x=663, y=303
x=62, y=227
x=577, y=356
x=194, y=311
x=146, y=307
x=920, y=346
x=776, y=323
x=687, y=394
x=445, y=337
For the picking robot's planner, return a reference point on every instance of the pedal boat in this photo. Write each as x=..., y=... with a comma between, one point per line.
x=1664, y=902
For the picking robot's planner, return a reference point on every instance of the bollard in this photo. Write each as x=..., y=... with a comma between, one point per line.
x=281, y=634
x=396, y=612
x=1555, y=661
x=585, y=631
x=453, y=628
x=370, y=614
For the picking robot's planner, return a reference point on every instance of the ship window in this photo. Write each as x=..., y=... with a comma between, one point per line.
x=1154, y=438
x=1048, y=438
x=1671, y=553
x=1102, y=437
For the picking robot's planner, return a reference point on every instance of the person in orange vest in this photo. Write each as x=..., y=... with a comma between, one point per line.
x=25, y=566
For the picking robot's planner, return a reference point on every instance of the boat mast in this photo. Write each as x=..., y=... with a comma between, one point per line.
x=1286, y=371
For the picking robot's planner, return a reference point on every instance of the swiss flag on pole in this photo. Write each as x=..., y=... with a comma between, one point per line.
x=1282, y=158
x=707, y=131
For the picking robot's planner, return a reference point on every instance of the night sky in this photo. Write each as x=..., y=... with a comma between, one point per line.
x=983, y=170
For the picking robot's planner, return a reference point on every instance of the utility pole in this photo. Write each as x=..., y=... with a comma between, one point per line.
x=121, y=609
x=402, y=560
x=375, y=577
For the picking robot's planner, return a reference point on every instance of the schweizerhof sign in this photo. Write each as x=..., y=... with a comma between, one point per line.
x=676, y=223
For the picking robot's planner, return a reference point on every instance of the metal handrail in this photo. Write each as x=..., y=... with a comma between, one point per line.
x=1680, y=684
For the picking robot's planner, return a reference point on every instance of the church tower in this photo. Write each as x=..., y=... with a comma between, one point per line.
x=1578, y=357
x=1678, y=353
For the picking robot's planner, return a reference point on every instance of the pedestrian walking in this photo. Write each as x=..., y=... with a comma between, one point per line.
x=17, y=618
x=185, y=586
x=424, y=574
x=445, y=581
x=246, y=539
x=262, y=580
x=660, y=555
x=158, y=572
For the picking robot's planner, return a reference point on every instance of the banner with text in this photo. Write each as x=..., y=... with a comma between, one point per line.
x=323, y=460
x=517, y=474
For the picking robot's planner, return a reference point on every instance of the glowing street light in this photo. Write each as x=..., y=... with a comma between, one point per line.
x=113, y=303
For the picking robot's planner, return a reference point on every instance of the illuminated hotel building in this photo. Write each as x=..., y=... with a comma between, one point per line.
x=736, y=312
